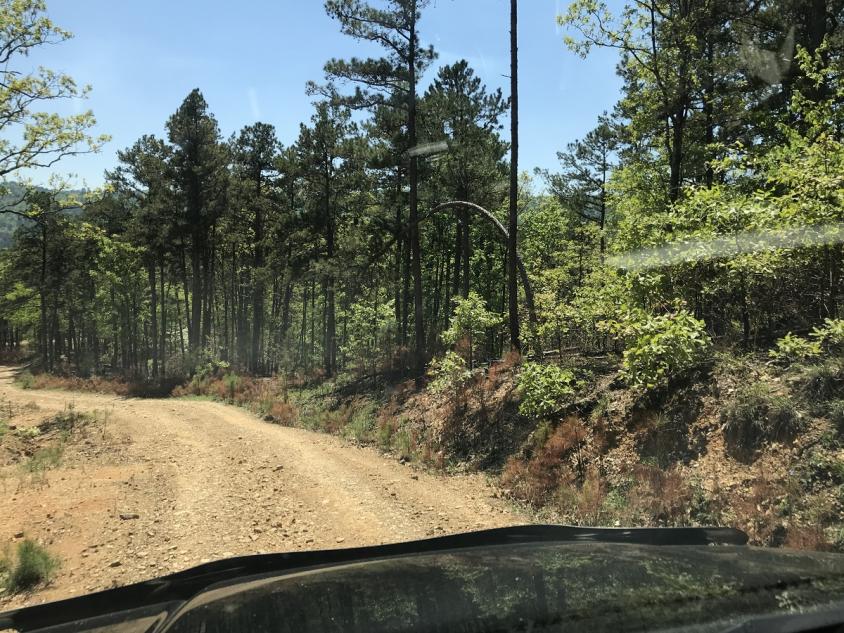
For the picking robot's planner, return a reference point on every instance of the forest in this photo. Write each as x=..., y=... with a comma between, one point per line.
x=336, y=254
x=631, y=336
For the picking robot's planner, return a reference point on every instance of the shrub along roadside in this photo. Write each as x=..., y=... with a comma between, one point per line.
x=157, y=388
x=29, y=565
x=660, y=349
x=828, y=338
x=544, y=389
x=563, y=474
x=757, y=416
x=819, y=384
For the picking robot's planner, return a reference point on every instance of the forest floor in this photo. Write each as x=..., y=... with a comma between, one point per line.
x=147, y=487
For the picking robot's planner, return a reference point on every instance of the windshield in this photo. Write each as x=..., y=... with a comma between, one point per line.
x=284, y=277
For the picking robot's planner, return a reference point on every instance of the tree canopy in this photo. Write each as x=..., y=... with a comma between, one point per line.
x=666, y=225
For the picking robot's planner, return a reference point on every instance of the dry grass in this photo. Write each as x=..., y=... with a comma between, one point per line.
x=94, y=384
x=229, y=387
x=811, y=537
x=557, y=460
x=584, y=503
x=505, y=368
x=757, y=416
x=284, y=413
x=659, y=497
x=14, y=356
x=157, y=388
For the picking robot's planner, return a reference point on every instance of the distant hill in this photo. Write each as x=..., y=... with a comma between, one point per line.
x=9, y=222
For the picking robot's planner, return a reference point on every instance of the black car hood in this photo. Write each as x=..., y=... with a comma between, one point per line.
x=528, y=578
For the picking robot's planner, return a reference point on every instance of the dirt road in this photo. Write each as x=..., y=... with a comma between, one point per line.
x=161, y=485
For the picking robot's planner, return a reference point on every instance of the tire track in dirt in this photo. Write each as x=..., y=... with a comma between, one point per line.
x=207, y=481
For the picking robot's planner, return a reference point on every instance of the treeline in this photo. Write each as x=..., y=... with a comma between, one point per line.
x=327, y=255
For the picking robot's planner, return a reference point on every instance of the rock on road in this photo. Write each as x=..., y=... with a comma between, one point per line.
x=168, y=483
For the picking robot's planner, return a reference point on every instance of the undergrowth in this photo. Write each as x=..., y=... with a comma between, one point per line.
x=558, y=450
x=145, y=388
x=569, y=470
x=756, y=416
x=26, y=566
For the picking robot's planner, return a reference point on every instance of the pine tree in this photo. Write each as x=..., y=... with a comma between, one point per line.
x=388, y=81
x=198, y=162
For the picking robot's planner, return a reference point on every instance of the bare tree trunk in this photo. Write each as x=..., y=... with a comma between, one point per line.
x=304, y=325
x=458, y=251
x=330, y=347
x=42, y=295
x=162, y=353
x=153, y=311
x=313, y=323
x=181, y=329
x=415, y=255
x=196, y=299
x=513, y=216
x=399, y=259
x=256, y=364
x=466, y=247
x=502, y=231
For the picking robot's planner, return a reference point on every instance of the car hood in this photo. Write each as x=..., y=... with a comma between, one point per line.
x=530, y=578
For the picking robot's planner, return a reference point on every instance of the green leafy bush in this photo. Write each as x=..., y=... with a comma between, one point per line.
x=470, y=323
x=211, y=369
x=662, y=347
x=26, y=380
x=370, y=329
x=831, y=335
x=756, y=416
x=448, y=374
x=33, y=565
x=544, y=389
x=792, y=349
x=231, y=382
x=362, y=423
x=403, y=443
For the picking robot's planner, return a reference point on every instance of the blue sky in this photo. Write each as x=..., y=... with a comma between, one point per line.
x=252, y=58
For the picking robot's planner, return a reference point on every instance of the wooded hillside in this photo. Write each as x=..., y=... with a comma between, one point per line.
x=335, y=253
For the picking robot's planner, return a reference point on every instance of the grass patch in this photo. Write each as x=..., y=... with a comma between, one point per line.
x=196, y=397
x=28, y=432
x=94, y=384
x=757, y=416
x=386, y=430
x=31, y=565
x=283, y=413
x=44, y=459
x=361, y=426
x=820, y=469
x=821, y=383
x=836, y=415
x=65, y=421
x=25, y=380
x=55, y=431
x=404, y=444
x=556, y=462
